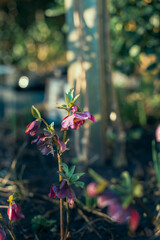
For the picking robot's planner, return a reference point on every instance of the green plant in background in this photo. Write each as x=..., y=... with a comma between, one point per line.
x=39, y=223
x=156, y=162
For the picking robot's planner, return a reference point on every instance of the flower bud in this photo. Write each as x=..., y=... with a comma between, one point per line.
x=33, y=128
x=15, y=212
x=92, y=189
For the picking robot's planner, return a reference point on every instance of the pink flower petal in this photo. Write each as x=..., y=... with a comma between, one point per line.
x=134, y=220
x=67, y=121
x=157, y=133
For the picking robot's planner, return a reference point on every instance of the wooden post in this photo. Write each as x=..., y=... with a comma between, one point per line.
x=86, y=72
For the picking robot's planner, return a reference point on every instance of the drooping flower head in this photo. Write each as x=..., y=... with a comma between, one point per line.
x=15, y=212
x=62, y=191
x=116, y=211
x=76, y=119
x=2, y=234
x=33, y=128
x=45, y=142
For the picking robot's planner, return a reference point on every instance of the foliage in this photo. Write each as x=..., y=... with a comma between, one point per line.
x=28, y=37
x=135, y=29
x=39, y=222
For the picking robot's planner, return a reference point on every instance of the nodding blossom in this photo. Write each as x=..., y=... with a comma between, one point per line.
x=45, y=142
x=62, y=191
x=33, y=128
x=116, y=211
x=15, y=212
x=76, y=119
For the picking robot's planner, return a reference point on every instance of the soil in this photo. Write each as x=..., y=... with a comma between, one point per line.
x=34, y=174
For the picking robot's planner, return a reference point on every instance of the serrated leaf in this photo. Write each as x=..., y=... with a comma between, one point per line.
x=35, y=113
x=72, y=169
x=65, y=168
x=67, y=99
x=80, y=184
x=75, y=98
x=62, y=174
x=126, y=181
x=70, y=93
x=127, y=201
x=52, y=126
x=75, y=177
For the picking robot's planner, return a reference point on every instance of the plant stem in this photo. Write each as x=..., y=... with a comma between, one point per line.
x=46, y=124
x=9, y=229
x=67, y=227
x=148, y=212
x=61, y=200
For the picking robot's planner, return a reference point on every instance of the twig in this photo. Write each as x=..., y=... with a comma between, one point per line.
x=91, y=228
x=96, y=212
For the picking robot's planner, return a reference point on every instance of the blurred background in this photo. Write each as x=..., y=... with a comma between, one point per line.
x=109, y=51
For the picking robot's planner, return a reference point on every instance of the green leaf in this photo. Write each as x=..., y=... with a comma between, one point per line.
x=75, y=177
x=62, y=174
x=75, y=98
x=39, y=222
x=52, y=126
x=126, y=181
x=67, y=99
x=127, y=201
x=35, y=113
x=65, y=167
x=138, y=190
x=79, y=184
x=72, y=169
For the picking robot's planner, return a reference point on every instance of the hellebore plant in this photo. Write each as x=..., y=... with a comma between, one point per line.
x=117, y=198
x=48, y=141
x=14, y=213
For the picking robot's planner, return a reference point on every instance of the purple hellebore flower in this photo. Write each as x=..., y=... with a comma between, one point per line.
x=62, y=144
x=106, y=199
x=44, y=143
x=76, y=119
x=157, y=133
x=116, y=211
x=2, y=234
x=33, y=128
x=63, y=191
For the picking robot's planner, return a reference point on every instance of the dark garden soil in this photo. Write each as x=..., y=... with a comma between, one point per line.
x=33, y=175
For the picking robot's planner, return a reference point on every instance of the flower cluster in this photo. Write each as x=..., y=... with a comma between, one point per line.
x=116, y=210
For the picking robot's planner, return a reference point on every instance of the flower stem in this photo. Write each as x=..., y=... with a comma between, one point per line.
x=61, y=200
x=67, y=227
x=9, y=229
x=46, y=124
x=148, y=212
